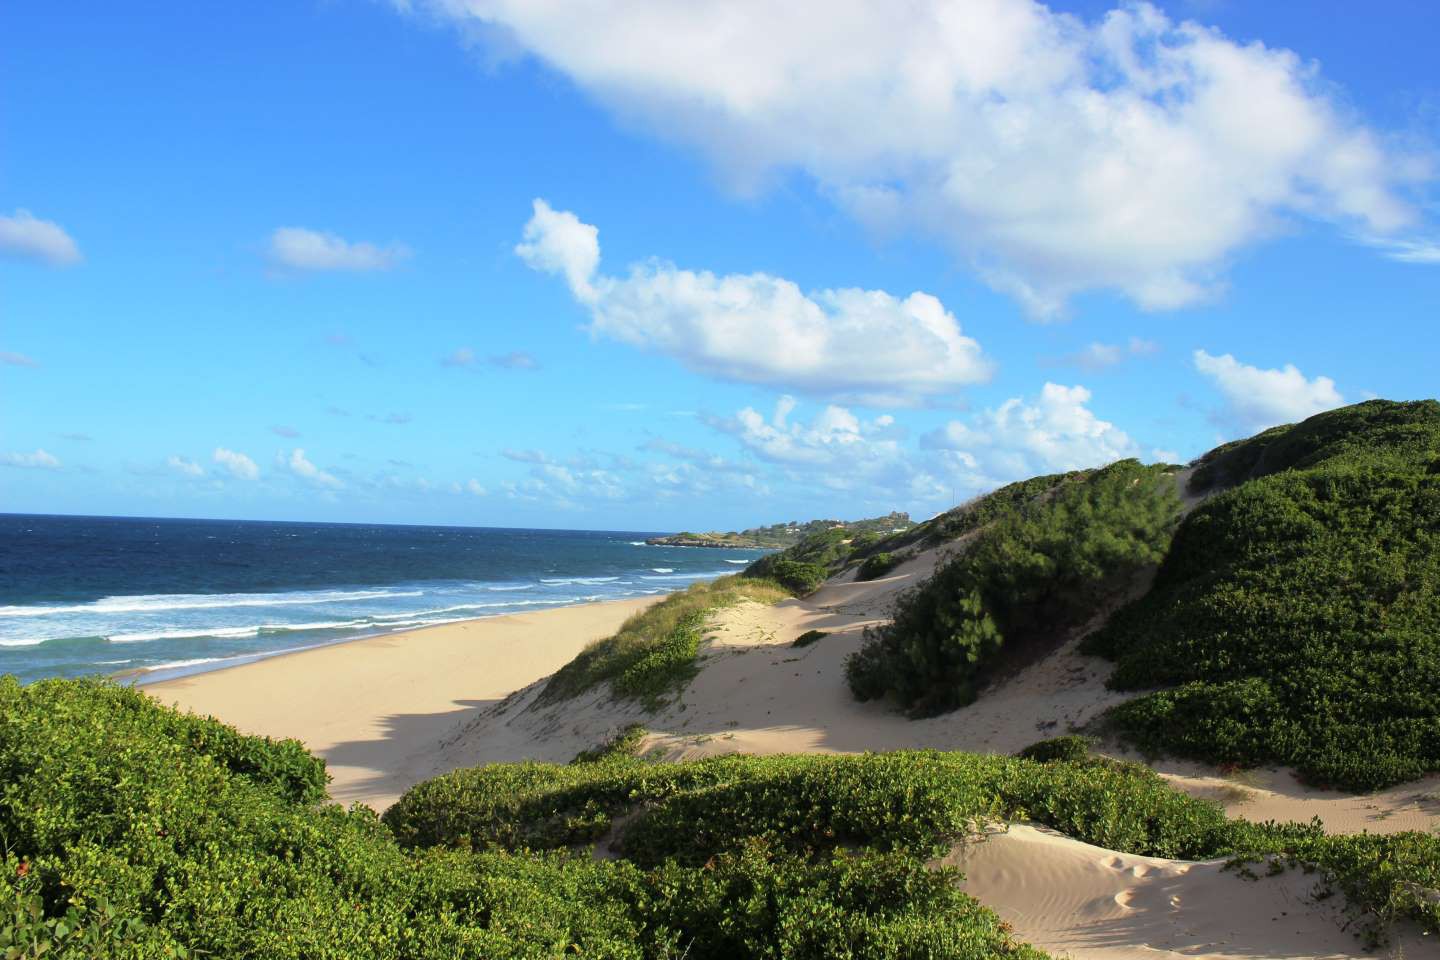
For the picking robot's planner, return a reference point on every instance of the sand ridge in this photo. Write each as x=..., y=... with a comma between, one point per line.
x=1072, y=898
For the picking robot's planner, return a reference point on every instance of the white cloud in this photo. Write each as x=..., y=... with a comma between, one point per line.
x=297, y=248
x=40, y=459
x=1159, y=455
x=757, y=328
x=26, y=236
x=474, y=486
x=302, y=467
x=1056, y=154
x=1019, y=439
x=1256, y=398
x=834, y=435
x=557, y=242
x=187, y=467
x=282, y=430
x=238, y=464
x=17, y=359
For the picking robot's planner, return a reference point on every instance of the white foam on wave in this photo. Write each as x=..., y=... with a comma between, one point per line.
x=177, y=664
x=663, y=569
x=687, y=576
x=577, y=581
x=160, y=602
x=737, y=561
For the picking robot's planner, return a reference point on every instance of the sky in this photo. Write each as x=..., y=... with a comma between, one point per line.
x=652, y=265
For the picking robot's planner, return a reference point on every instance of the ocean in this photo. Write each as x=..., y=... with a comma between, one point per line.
x=103, y=595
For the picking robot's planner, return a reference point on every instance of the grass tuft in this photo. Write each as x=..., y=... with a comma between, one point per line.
x=653, y=655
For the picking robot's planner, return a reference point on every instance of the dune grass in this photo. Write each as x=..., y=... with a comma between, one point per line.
x=653, y=655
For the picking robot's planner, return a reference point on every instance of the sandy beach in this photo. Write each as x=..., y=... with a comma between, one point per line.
x=376, y=709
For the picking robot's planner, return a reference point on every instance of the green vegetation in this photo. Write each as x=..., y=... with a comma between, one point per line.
x=828, y=548
x=782, y=535
x=653, y=656
x=808, y=637
x=1297, y=615
x=877, y=565
x=626, y=743
x=908, y=806
x=132, y=832
x=1041, y=566
x=1068, y=748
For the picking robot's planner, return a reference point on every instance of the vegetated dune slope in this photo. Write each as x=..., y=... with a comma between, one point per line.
x=757, y=694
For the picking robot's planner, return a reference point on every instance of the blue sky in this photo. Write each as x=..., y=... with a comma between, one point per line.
x=286, y=260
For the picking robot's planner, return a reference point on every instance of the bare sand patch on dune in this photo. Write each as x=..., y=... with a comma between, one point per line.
x=1071, y=898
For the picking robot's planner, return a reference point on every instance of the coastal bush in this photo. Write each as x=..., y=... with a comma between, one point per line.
x=653, y=655
x=1069, y=747
x=1377, y=435
x=797, y=576
x=1039, y=570
x=808, y=637
x=919, y=801
x=124, y=840
x=1296, y=619
x=877, y=565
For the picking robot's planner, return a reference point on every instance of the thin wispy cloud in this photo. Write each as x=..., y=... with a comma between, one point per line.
x=184, y=466
x=26, y=237
x=304, y=250
x=17, y=359
x=516, y=360
x=39, y=459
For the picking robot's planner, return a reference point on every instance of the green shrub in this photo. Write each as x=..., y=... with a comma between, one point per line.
x=808, y=637
x=1297, y=615
x=877, y=565
x=653, y=656
x=1067, y=748
x=123, y=838
x=797, y=576
x=626, y=743
x=1043, y=568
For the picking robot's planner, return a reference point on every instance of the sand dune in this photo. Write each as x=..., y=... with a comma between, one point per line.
x=1069, y=897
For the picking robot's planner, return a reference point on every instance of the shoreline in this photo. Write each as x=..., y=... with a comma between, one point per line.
x=164, y=673
x=377, y=708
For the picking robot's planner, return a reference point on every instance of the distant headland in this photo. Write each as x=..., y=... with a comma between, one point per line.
x=778, y=536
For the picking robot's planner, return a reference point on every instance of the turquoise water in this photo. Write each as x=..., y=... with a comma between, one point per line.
x=86, y=595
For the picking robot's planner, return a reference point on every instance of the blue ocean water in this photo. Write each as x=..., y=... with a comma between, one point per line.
x=88, y=595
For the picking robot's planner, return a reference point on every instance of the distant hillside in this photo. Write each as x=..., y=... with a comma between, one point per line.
x=781, y=535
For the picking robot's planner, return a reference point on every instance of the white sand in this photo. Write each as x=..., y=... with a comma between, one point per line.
x=1069, y=897
x=377, y=709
